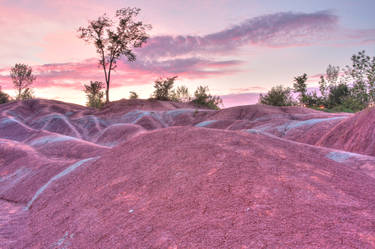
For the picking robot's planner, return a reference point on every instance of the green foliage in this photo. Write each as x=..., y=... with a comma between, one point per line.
x=323, y=87
x=115, y=38
x=94, y=94
x=361, y=75
x=133, y=95
x=337, y=94
x=350, y=93
x=203, y=98
x=332, y=74
x=27, y=94
x=300, y=87
x=22, y=77
x=351, y=104
x=4, y=98
x=277, y=96
x=312, y=100
x=181, y=94
x=163, y=88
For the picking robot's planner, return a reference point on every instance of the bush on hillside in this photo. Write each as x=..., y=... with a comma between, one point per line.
x=133, y=95
x=94, y=94
x=4, y=98
x=181, y=94
x=22, y=77
x=203, y=98
x=163, y=88
x=277, y=96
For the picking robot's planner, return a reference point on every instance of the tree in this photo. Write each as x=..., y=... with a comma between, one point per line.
x=361, y=75
x=202, y=97
x=94, y=94
x=312, y=100
x=337, y=94
x=371, y=79
x=4, y=98
x=133, y=95
x=27, y=94
x=163, y=88
x=181, y=94
x=323, y=87
x=332, y=74
x=22, y=77
x=115, y=38
x=301, y=87
x=330, y=80
x=278, y=96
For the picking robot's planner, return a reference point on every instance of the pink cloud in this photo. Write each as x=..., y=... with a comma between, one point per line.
x=275, y=30
x=74, y=75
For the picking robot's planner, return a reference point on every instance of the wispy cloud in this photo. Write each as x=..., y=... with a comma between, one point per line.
x=275, y=30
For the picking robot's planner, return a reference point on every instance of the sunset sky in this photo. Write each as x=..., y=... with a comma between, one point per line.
x=238, y=48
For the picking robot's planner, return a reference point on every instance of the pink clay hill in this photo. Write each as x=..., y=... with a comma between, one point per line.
x=153, y=174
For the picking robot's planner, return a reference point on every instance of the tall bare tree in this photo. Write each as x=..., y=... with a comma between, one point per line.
x=22, y=77
x=115, y=38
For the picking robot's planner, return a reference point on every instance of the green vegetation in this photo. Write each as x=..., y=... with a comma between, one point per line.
x=133, y=95
x=26, y=94
x=4, y=98
x=181, y=94
x=351, y=90
x=300, y=87
x=278, y=96
x=163, y=88
x=22, y=77
x=164, y=91
x=202, y=97
x=94, y=94
x=115, y=38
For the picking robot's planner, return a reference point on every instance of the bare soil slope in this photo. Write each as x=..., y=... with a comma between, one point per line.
x=355, y=134
x=141, y=174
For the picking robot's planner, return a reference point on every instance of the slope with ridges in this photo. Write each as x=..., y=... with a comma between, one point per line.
x=207, y=188
x=355, y=134
x=155, y=174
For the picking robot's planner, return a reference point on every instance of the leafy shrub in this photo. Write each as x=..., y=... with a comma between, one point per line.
x=312, y=100
x=203, y=98
x=22, y=77
x=27, y=94
x=337, y=94
x=163, y=88
x=94, y=94
x=133, y=95
x=300, y=87
x=4, y=98
x=277, y=96
x=181, y=94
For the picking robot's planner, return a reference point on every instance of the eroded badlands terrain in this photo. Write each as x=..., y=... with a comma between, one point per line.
x=151, y=174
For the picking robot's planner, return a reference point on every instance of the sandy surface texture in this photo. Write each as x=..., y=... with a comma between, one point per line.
x=153, y=174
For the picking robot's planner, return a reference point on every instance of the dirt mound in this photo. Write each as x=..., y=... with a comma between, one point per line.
x=119, y=133
x=126, y=105
x=252, y=112
x=355, y=134
x=157, y=174
x=206, y=188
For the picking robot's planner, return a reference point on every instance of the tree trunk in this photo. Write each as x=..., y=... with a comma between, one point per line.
x=107, y=94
